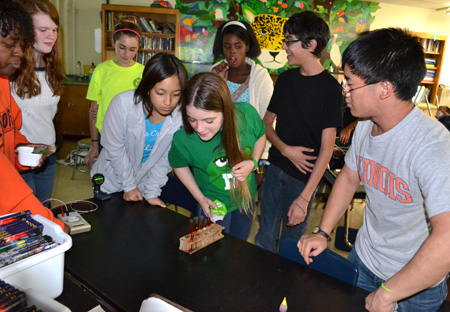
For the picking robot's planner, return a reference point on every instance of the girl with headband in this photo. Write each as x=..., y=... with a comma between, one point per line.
x=248, y=82
x=37, y=87
x=112, y=77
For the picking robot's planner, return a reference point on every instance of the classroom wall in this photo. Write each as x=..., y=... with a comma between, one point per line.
x=416, y=19
x=420, y=20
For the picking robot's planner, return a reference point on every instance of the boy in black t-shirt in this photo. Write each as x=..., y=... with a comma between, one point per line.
x=306, y=105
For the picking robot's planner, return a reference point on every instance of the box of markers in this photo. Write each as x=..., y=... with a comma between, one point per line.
x=42, y=271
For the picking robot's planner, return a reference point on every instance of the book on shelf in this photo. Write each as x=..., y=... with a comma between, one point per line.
x=145, y=25
x=436, y=46
x=430, y=45
x=167, y=28
x=430, y=61
x=155, y=25
x=113, y=19
x=158, y=43
x=108, y=21
x=420, y=94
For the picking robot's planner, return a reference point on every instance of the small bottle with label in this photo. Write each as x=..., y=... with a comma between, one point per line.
x=79, y=76
x=91, y=70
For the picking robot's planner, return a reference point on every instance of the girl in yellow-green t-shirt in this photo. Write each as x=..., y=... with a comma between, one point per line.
x=112, y=77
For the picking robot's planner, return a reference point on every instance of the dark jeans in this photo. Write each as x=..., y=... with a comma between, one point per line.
x=235, y=223
x=42, y=179
x=428, y=300
x=279, y=191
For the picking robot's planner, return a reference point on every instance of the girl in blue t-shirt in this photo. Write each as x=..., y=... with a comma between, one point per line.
x=138, y=130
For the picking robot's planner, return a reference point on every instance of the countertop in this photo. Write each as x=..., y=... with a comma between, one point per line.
x=74, y=80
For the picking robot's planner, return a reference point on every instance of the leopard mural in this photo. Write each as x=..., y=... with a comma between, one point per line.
x=269, y=32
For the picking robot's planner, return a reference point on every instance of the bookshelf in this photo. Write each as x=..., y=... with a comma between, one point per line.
x=164, y=37
x=434, y=48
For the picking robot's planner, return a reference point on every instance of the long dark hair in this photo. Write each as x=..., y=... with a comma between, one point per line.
x=160, y=67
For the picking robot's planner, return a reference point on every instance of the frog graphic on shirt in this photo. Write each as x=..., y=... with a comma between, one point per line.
x=219, y=170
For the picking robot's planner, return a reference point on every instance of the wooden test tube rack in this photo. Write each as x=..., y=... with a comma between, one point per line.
x=202, y=239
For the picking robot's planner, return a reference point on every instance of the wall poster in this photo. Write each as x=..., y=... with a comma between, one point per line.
x=200, y=20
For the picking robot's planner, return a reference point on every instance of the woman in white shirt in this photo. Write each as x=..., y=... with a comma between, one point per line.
x=36, y=88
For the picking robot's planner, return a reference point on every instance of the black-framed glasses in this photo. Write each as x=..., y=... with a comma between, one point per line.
x=345, y=85
x=289, y=42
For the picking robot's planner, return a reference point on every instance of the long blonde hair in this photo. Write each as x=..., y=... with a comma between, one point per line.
x=208, y=91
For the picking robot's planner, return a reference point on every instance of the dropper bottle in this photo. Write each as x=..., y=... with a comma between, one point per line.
x=283, y=305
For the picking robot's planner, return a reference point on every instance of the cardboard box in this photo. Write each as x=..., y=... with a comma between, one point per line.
x=43, y=271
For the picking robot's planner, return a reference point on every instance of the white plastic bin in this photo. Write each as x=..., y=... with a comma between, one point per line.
x=43, y=271
x=44, y=303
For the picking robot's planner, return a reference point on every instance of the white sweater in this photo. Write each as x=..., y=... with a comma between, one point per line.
x=260, y=89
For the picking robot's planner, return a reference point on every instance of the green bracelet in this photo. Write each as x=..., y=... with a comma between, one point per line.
x=382, y=285
x=255, y=163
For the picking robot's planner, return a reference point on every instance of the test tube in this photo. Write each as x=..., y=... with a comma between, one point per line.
x=191, y=227
x=195, y=225
x=200, y=223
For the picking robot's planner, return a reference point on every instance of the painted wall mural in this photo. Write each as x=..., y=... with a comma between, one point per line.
x=201, y=19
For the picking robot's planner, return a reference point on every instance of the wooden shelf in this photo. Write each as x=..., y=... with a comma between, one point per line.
x=434, y=46
x=169, y=42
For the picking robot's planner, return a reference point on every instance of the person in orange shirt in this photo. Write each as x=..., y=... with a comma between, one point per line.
x=17, y=196
x=16, y=32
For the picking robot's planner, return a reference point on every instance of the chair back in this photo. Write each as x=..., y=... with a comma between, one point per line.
x=175, y=193
x=328, y=262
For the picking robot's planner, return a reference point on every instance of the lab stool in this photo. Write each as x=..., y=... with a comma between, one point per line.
x=81, y=144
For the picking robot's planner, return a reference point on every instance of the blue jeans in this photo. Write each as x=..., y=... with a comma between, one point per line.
x=279, y=191
x=428, y=300
x=235, y=223
x=42, y=179
x=100, y=146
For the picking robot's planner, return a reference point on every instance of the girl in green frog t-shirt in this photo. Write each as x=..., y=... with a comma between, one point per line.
x=221, y=142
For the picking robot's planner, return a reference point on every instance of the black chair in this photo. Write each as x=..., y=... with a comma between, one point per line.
x=328, y=262
x=175, y=193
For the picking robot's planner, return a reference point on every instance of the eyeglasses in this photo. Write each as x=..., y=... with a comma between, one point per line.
x=289, y=42
x=345, y=85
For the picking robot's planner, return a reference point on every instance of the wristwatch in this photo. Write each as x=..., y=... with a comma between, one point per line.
x=318, y=230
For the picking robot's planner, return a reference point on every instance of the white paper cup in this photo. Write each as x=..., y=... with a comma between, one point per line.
x=27, y=158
